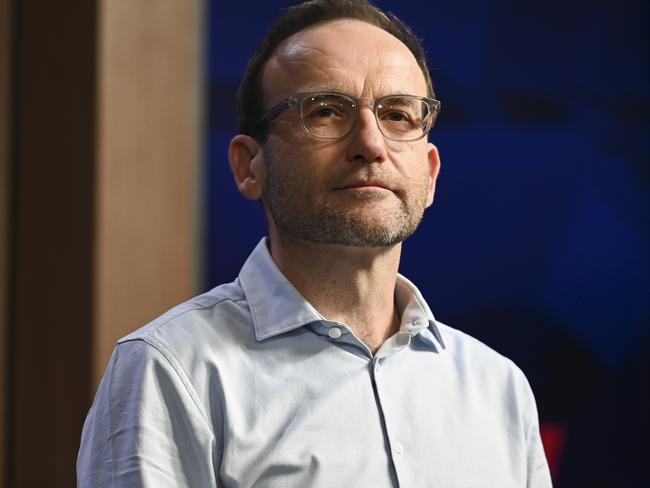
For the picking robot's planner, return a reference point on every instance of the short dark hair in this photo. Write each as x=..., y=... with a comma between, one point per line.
x=250, y=103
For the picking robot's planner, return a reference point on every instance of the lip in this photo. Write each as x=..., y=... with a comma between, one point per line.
x=361, y=185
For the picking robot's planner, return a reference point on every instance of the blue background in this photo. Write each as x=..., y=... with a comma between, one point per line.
x=537, y=242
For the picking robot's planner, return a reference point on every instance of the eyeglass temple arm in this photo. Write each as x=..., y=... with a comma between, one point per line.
x=273, y=112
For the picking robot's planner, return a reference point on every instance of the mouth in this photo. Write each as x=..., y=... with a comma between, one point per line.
x=363, y=185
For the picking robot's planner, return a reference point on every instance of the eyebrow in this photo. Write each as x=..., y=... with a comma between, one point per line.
x=329, y=89
x=325, y=89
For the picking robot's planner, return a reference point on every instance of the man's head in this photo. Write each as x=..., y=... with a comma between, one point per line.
x=365, y=186
x=250, y=96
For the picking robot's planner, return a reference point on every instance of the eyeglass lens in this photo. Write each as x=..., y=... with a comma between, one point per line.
x=330, y=115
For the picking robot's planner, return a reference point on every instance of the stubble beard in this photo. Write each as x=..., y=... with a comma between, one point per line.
x=329, y=222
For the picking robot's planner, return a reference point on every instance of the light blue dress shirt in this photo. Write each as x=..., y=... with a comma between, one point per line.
x=249, y=386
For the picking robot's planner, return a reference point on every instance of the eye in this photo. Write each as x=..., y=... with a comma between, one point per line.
x=327, y=108
x=323, y=112
x=396, y=117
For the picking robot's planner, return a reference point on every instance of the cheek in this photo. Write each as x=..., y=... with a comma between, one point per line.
x=407, y=157
x=414, y=166
x=289, y=133
x=421, y=184
x=289, y=177
x=312, y=165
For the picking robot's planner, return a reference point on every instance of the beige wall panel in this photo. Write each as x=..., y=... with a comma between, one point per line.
x=148, y=154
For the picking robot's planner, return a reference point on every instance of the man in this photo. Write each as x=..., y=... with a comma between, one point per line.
x=319, y=366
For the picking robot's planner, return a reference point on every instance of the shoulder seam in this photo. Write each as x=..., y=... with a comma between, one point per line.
x=173, y=317
x=178, y=370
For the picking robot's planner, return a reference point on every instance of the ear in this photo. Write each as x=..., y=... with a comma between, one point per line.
x=434, y=169
x=247, y=165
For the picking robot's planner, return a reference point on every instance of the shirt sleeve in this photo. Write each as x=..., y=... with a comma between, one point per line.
x=145, y=428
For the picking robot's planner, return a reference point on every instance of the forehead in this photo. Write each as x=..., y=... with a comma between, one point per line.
x=344, y=55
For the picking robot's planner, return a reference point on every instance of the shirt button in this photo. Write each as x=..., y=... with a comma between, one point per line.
x=399, y=448
x=334, y=332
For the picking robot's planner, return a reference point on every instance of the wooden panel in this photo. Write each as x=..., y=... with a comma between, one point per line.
x=105, y=142
x=5, y=195
x=148, y=139
x=54, y=150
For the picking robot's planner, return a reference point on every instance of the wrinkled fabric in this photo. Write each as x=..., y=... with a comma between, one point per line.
x=249, y=386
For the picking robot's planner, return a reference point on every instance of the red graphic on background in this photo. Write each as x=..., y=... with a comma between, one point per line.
x=553, y=437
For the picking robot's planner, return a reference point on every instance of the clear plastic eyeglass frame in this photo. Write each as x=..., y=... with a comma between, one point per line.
x=343, y=128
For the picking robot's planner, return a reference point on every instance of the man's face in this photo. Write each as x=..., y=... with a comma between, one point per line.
x=361, y=190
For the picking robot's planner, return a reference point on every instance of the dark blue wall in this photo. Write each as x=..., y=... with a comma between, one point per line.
x=537, y=242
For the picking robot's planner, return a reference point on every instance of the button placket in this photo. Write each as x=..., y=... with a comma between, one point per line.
x=377, y=364
x=383, y=382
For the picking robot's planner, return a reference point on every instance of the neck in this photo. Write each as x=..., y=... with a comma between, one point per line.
x=352, y=285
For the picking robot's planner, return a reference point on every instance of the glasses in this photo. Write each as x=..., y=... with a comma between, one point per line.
x=331, y=115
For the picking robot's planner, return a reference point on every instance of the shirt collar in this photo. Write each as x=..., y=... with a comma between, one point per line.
x=277, y=307
x=416, y=316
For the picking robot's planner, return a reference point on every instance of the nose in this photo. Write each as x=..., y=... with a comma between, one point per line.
x=366, y=142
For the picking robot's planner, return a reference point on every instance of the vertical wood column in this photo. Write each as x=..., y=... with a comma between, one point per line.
x=102, y=231
x=52, y=287
x=5, y=198
x=148, y=152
